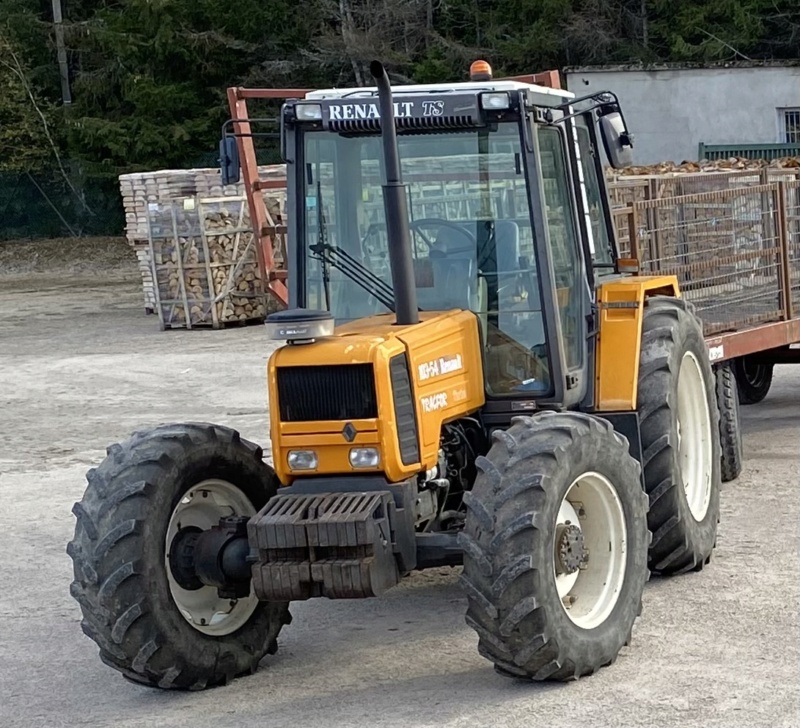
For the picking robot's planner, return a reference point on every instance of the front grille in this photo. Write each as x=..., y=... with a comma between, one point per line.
x=338, y=392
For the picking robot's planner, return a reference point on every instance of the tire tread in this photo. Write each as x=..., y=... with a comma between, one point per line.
x=677, y=544
x=504, y=608
x=109, y=585
x=730, y=430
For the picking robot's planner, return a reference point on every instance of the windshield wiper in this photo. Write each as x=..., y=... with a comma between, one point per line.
x=332, y=256
x=335, y=257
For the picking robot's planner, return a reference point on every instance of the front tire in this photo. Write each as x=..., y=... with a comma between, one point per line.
x=679, y=424
x=551, y=486
x=146, y=625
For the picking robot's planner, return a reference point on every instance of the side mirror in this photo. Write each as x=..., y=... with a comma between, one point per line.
x=229, y=160
x=617, y=141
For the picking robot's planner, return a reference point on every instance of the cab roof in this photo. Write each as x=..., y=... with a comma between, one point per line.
x=536, y=94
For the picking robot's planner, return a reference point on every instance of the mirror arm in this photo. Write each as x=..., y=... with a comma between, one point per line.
x=601, y=101
x=266, y=120
x=600, y=97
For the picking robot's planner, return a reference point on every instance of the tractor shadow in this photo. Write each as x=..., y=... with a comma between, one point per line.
x=409, y=657
x=406, y=659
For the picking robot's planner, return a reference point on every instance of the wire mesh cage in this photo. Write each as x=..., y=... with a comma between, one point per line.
x=725, y=249
x=791, y=231
x=204, y=263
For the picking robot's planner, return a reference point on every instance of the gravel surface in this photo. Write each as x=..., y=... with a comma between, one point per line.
x=81, y=366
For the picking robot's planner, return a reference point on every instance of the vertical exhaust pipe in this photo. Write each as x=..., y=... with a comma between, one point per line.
x=395, y=207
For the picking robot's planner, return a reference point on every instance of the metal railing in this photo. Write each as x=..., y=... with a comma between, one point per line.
x=747, y=151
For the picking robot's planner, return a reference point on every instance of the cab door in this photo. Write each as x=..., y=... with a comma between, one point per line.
x=572, y=293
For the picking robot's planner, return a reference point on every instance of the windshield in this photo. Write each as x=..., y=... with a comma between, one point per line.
x=471, y=237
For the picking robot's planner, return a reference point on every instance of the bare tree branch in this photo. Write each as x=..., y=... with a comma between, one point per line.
x=16, y=68
x=52, y=204
x=727, y=45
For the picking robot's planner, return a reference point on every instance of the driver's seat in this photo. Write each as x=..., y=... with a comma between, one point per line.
x=445, y=283
x=452, y=275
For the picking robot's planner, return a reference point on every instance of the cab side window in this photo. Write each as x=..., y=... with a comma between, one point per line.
x=563, y=242
x=602, y=241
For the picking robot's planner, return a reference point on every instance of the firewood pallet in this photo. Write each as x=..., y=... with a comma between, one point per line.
x=143, y=193
x=203, y=264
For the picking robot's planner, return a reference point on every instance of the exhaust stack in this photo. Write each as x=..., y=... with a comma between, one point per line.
x=395, y=207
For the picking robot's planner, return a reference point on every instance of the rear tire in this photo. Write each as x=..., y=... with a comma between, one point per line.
x=753, y=379
x=730, y=430
x=681, y=461
x=544, y=475
x=122, y=582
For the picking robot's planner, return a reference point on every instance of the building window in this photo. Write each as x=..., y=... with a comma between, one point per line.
x=789, y=120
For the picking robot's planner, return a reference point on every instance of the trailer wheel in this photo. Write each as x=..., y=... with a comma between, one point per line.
x=555, y=547
x=753, y=379
x=730, y=431
x=151, y=623
x=679, y=422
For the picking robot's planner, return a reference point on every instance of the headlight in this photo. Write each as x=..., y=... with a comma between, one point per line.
x=308, y=112
x=495, y=101
x=365, y=457
x=302, y=459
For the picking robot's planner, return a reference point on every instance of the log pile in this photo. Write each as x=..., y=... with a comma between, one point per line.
x=204, y=263
x=658, y=181
x=706, y=166
x=236, y=279
x=145, y=193
x=142, y=189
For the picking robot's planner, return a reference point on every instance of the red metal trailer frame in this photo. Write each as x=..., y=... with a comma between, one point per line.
x=263, y=227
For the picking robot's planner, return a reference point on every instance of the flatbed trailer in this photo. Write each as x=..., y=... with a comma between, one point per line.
x=732, y=239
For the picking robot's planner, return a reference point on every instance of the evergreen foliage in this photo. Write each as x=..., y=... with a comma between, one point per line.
x=148, y=77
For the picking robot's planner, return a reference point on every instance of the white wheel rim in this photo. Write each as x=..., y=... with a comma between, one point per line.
x=202, y=506
x=589, y=593
x=694, y=436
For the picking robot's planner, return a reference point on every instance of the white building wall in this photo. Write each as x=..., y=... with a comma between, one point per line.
x=670, y=112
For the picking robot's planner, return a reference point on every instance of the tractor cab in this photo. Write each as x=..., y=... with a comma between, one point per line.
x=506, y=211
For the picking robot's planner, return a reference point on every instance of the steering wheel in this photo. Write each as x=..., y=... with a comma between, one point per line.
x=416, y=226
x=439, y=223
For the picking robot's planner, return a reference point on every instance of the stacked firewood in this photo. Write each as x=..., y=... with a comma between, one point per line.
x=209, y=275
x=236, y=279
x=144, y=192
x=140, y=190
x=732, y=164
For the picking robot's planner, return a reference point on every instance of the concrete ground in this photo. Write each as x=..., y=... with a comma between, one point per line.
x=81, y=366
